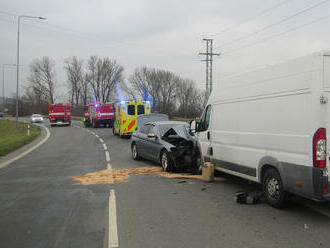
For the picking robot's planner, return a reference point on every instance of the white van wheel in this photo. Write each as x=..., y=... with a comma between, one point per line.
x=273, y=189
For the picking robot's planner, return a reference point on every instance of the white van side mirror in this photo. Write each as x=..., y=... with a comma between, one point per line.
x=194, y=126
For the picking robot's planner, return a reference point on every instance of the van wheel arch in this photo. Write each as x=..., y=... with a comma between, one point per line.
x=264, y=168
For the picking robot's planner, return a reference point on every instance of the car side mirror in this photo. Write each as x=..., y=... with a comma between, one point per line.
x=151, y=135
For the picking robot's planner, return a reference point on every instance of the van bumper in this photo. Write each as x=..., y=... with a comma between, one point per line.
x=306, y=181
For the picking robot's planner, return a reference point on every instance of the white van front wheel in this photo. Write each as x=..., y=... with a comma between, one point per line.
x=273, y=189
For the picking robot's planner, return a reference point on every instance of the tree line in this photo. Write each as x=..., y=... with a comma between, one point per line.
x=102, y=79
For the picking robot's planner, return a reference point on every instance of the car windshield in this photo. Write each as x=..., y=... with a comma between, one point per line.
x=36, y=115
x=164, y=128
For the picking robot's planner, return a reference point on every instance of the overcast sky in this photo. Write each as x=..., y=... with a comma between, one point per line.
x=163, y=34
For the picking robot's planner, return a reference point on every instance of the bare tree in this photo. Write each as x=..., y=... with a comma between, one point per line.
x=145, y=83
x=75, y=74
x=190, y=99
x=84, y=93
x=102, y=75
x=169, y=93
x=168, y=82
x=42, y=78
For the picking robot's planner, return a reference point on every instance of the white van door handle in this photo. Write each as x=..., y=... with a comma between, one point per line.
x=208, y=135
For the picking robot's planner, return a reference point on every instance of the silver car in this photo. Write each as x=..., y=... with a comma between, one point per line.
x=36, y=118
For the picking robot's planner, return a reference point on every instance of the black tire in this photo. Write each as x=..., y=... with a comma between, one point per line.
x=166, y=161
x=135, y=153
x=273, y=189
x=113, y=131
x=197, y=169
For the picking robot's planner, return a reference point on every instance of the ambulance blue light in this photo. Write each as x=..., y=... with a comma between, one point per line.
x=122, y=102
x=148, y=102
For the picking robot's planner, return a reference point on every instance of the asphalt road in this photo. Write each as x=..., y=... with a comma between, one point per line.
x=40, y=206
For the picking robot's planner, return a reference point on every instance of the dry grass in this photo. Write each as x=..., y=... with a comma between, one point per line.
x=119, y=176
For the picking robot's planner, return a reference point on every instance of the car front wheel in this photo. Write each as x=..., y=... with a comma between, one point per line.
x=166, y=161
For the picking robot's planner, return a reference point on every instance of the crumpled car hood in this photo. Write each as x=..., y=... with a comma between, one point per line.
x=177, y=130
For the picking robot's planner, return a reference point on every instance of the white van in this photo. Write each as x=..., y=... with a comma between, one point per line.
x=270, y=126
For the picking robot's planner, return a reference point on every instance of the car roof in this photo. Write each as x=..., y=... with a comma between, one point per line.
x=168, y=122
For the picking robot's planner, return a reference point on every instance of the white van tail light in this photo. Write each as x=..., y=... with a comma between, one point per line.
x=319, y=148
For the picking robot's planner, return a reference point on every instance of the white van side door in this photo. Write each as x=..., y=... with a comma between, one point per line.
x=204, y=133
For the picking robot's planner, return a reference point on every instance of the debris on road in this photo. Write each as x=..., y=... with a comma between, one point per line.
x=242, y=197
x=119, y=176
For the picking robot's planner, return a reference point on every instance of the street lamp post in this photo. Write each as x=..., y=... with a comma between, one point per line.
x=17, y=64
x=3, y=83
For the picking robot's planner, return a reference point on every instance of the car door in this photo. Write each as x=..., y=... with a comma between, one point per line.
x=153, y=144
x=203, y=133
x=144, y=141
x=137, y=138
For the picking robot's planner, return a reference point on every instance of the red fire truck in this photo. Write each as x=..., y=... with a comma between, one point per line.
x=99, y=114
x=59, y=114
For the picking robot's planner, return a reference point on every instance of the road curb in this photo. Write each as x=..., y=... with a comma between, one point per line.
x=26, y=149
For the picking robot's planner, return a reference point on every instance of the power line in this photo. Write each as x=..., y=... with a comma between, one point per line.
x=254, y=17
x=274, y=24
x=276, y=35
x=7, y=13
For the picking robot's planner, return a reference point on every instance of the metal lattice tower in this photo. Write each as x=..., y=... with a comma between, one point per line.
x=209, y=66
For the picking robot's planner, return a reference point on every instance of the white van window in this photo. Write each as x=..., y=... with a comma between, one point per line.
x=205, y=120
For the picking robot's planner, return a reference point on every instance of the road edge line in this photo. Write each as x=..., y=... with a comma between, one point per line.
x=113, y=231
x=4, y=164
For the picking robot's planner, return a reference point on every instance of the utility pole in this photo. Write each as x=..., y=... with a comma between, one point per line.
x=209, y=66
x=3, y=84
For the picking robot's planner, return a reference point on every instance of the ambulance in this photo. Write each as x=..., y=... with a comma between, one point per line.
x=126, y=113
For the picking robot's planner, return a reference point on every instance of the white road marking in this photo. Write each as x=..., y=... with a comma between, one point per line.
x=113, y=233
x=29, y=150
x=107, y=156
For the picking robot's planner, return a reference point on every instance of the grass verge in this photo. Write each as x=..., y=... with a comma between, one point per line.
x=11, y=140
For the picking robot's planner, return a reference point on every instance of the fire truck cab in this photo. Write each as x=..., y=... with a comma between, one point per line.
x=59, y=114
x=126, y=116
